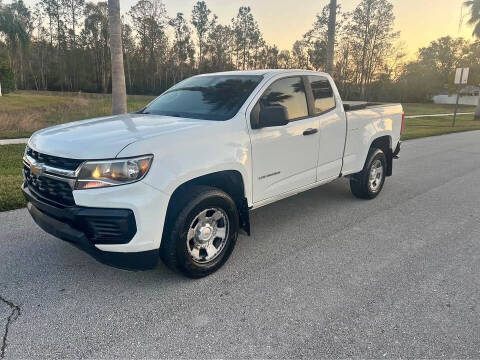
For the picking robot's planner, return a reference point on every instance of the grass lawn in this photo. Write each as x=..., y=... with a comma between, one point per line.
x=430, y=109
x=11, y=177
x=431, y=126
x=24, y=112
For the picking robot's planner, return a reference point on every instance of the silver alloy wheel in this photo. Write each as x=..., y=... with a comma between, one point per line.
x=376, y=176
x=207, y=235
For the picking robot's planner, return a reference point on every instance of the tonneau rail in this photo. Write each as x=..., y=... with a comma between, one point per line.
x=357, y=105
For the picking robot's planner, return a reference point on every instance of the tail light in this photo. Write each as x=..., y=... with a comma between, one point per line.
x=403, y=123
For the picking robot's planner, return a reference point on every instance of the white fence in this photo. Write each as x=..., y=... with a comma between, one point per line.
x=452, y=99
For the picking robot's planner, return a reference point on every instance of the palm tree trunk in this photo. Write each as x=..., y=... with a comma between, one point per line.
x=119, y=92
x=331, y=36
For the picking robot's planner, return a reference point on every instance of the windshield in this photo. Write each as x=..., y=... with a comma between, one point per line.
x=215, y=97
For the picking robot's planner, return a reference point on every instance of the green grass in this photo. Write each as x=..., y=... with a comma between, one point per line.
x=11, y=177
x=24, y=112
x=430, y=109
x=432, y=126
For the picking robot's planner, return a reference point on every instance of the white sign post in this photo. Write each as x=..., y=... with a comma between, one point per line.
x=461, y=78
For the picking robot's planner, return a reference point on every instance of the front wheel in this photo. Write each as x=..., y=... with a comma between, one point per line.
x=203, y=233
x=368, y=183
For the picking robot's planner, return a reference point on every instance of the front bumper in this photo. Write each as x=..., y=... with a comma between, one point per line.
x=114, y=235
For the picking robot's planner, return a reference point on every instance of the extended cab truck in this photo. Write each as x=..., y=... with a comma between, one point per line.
x=178, y=178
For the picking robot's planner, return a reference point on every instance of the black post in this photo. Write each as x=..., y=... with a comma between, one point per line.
x=456, y=107
x=458, y=98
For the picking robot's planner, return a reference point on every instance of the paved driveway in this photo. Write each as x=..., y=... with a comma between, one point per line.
x=323, y=275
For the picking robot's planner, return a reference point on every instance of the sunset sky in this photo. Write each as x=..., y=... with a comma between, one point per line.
x=285, y=21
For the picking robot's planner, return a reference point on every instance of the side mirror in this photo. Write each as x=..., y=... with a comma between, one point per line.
x=268, y=116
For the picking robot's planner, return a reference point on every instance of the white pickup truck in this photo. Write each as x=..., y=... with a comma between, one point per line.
x=177, y=179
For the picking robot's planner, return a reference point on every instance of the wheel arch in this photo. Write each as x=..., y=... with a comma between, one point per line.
x=384, y=143
x=229, y=181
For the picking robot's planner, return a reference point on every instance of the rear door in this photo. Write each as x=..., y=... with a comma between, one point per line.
x=285, y=157
x=332, y=128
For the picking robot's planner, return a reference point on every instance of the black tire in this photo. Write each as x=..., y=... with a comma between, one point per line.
x=189, y=204
x=360, y=184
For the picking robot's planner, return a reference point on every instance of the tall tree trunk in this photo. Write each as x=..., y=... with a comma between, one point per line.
x=332, y=20
x=119, y=92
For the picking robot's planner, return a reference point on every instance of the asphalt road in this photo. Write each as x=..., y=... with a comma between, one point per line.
x=324, y=275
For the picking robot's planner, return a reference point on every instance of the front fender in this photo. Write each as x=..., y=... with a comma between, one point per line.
x=219, y=146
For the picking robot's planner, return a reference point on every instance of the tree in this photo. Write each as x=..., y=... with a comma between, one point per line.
x=73, y=13
x=14, y=24
x=332, y=20
x=201, y=22
x=149, y=21
x=119, y=92
x=96, y=46
x=183, y=48
x=245, y=28
x=474, y=20
x=316, y=40
x=300, y=54
x=371, y=37
x=443, y=56
x=285, y=59
x=219, y=47
x=7, y=81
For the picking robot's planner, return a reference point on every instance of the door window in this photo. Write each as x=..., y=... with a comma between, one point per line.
x=288, y=93
x=322, y=94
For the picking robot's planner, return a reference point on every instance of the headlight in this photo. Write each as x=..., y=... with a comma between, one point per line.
x=97, y=174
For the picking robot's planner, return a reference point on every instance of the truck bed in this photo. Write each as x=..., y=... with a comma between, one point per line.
x=366, y=121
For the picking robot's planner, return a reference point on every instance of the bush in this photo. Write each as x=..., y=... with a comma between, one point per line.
x=6, y=78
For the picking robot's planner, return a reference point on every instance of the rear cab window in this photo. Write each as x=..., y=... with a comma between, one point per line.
x=324, y=100
x=288, y=93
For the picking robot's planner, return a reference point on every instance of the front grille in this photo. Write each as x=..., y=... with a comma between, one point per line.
x=51, y=189
x=54, y=161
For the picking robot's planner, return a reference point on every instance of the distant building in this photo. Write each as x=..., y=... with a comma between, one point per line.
x=468, y=96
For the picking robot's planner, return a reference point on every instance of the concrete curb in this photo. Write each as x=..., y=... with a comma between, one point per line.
x=435, y=115
x=13, y=141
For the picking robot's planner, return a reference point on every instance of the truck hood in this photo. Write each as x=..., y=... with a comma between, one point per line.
x=105, y=137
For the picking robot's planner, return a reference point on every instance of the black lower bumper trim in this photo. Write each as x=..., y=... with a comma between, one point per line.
x=63, y=230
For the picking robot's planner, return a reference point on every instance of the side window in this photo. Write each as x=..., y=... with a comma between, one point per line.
x=322, y=94
x=288, y=93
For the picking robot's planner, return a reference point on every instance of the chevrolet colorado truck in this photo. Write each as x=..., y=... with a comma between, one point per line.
x=176, y=180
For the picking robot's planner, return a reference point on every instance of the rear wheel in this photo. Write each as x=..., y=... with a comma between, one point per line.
x=368, y=183
x=202, y=233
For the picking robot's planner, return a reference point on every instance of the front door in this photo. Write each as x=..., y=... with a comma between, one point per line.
x=285, y=157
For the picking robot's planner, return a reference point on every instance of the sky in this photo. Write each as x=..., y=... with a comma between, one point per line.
x=285, y=21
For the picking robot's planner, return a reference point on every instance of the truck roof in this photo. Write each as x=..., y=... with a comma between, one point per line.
x=262, y=72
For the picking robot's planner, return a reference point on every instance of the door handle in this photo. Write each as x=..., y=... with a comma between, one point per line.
x=310, y=132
